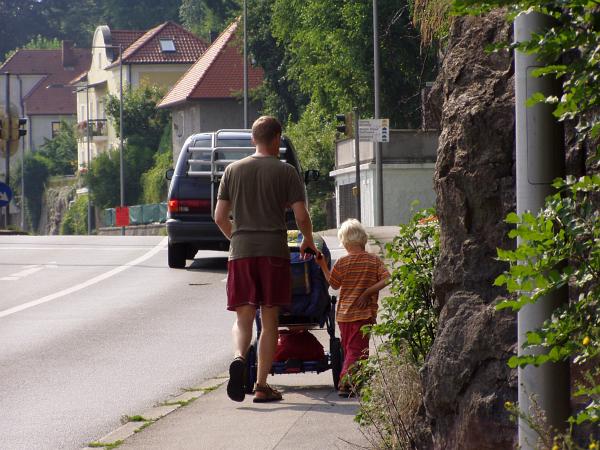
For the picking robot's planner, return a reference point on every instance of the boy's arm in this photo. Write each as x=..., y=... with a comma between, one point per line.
x=363, y=300
x=322, y=262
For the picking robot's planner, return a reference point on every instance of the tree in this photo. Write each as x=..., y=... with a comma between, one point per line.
x=61, y=150
x=204, y=16
x=143, y=126
x=20, y=21
x=103, y=179
x=138, y=14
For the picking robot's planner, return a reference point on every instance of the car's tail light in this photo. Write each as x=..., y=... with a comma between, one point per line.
x=189, y=206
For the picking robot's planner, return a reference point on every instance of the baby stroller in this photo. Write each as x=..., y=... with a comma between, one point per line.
x=312, y=308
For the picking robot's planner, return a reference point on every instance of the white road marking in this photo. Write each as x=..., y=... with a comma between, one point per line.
x=85, y=284
x=29, y=270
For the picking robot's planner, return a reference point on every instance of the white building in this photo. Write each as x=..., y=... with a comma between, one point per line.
x=155, y=57
x=408, y=167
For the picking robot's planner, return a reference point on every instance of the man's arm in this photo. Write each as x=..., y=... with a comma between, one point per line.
x=222, y=211
x=305, y=226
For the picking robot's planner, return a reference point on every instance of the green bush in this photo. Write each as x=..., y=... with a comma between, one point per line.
x=36, y=170
x=61, y=150
x=154, y=183
x=408, y=316
x=103, y=179
x=75, y=220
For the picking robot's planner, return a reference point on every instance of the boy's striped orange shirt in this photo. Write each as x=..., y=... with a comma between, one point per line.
x=352, y=274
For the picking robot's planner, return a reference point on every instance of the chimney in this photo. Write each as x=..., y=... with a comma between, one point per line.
x=213, y=36
x=68, y=56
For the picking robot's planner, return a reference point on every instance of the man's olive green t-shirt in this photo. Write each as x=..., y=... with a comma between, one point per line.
x=260, y=188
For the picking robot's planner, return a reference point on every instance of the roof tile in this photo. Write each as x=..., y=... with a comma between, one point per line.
x=146, y=49
x=48, y=97
x=217, y=74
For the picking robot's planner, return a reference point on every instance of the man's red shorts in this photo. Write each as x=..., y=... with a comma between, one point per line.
x=259, y=281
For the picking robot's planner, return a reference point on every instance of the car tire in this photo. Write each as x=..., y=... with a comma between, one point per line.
x=176, y=255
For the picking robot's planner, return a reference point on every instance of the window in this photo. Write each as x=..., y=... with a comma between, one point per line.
x=55, y=128
x=167, y=45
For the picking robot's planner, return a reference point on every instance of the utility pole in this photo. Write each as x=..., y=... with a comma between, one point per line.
x=378, y=161
x=89, y=154
x=357, y=163
x=9, y=119
x=245, y=66
x=540, y=159
x=121, y=171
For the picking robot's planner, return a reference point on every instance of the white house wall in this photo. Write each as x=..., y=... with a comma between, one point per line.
x=402, y=185
x=207, y=115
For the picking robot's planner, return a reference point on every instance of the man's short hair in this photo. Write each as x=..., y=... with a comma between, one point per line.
x=352, y=232
x=265, y=129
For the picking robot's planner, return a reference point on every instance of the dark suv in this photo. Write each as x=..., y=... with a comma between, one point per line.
x=194, y=185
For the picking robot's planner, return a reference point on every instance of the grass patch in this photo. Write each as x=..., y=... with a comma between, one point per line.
x=136, y=418
x=146, y=425
x=106, y=445
x=180, y=403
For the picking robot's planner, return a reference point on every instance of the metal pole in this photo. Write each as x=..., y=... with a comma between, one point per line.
x=7, y=110
x=245, y=66
x=89, y=154
x=378, y=161
x=121, y=175
x=539, y=159
x=22, y=114
x=357, y=163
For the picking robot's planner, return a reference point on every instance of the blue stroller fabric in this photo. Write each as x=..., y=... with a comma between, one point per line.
x=310, y=291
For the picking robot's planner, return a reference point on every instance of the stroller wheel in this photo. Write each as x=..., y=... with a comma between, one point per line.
x=336, y=357
x=251, y=365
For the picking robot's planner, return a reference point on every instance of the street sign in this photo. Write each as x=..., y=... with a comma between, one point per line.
x=5, y=194
x=374, y=130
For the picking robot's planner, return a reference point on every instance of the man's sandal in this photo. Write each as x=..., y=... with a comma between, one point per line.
x=264, y=394
x=236, y=385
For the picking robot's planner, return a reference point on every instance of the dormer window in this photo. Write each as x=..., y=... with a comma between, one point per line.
x=167, y=45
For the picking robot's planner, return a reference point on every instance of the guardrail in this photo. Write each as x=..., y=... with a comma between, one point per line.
x=138, y=214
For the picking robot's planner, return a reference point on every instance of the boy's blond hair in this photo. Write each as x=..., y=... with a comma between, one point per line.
x=352, y=232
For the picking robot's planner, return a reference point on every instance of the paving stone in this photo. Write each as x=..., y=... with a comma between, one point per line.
x=121, y=433
x=158, y=411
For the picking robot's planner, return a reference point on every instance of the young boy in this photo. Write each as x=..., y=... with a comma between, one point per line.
x=360, y=275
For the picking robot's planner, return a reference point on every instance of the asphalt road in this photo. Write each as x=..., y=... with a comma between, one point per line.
x=92, y=328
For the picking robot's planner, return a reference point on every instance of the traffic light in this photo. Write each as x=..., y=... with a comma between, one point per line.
x=17, y=128
x=347, y=128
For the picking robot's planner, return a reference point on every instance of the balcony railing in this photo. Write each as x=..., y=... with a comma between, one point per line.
x=98, y=128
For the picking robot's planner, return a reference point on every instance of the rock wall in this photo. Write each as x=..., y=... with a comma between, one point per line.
x=55, y=204
x=465, y=379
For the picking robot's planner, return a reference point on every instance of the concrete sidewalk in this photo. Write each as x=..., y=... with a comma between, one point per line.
x=311, y=416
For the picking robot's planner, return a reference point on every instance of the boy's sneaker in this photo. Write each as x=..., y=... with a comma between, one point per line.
x=236, y=385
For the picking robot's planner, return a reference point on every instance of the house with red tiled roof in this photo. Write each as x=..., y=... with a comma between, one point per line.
x=39, y=89
x=158, y=57
x=208, y=96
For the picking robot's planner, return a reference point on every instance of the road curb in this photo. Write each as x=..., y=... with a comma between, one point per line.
x=152, y=415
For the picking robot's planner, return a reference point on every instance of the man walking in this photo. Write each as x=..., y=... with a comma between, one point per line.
x=256, y=191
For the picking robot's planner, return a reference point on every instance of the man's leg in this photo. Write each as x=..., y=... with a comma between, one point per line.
x=267, y=342
x=242, y=329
